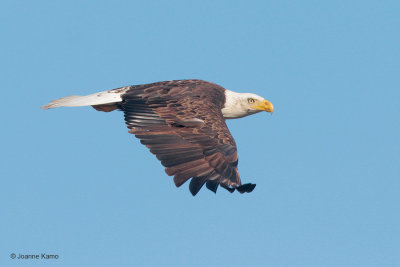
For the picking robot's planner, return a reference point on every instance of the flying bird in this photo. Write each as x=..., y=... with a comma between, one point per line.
x=182, y=122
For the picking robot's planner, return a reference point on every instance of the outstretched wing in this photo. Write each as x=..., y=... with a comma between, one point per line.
x=182, y=124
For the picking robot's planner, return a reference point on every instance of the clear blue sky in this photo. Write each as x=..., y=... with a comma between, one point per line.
x=326, y=164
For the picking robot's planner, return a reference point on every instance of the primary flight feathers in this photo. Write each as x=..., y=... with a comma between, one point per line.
x=182, y=122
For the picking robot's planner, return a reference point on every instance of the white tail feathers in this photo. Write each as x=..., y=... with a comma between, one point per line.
x=100, y=98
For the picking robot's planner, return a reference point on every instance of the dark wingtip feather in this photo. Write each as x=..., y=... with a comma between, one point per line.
x=196, y=184
x=212, y=185
x=246, y=188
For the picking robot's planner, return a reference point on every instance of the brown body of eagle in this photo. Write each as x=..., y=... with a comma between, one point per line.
x=182, y=124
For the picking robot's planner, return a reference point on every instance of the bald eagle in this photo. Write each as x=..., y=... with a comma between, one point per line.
x=182, y=122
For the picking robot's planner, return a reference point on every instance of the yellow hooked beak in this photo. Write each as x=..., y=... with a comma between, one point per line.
x=265, y=106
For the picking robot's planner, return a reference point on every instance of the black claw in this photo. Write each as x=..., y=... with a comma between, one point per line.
x=228, y=188
x=246, y=188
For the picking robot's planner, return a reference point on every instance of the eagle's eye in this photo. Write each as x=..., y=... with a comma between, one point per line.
x=251, y=100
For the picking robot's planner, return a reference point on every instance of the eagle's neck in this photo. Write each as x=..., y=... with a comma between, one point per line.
x=235, y=105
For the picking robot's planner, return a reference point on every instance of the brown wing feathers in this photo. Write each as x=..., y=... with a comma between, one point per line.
x=182, y=124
